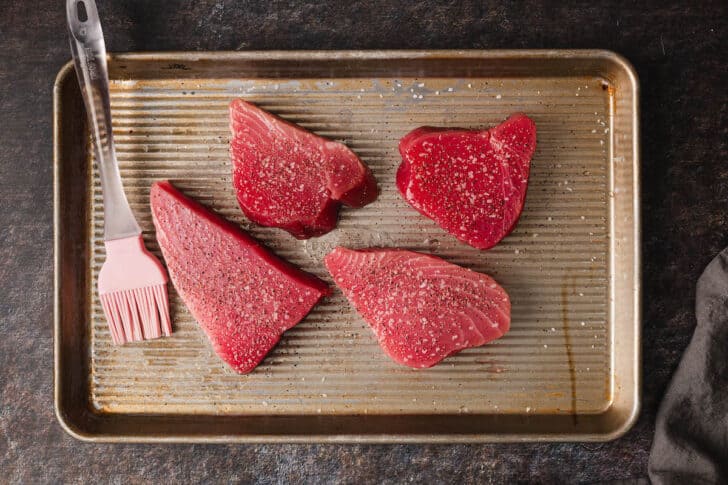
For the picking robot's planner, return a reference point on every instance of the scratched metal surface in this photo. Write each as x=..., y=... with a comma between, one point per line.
x=563, y=266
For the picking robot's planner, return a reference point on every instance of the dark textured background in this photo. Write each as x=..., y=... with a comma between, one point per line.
x=679, y=51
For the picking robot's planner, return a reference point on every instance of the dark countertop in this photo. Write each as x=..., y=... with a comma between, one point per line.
x=680, y=55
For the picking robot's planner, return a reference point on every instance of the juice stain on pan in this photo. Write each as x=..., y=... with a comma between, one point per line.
x=568, y=287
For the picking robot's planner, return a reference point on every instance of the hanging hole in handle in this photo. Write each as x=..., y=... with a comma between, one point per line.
x=81, y=11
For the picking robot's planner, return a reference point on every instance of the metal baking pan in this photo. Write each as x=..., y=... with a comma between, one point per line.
x=569, y=369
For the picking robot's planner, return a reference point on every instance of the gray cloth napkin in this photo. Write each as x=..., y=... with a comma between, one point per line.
x=691, y=436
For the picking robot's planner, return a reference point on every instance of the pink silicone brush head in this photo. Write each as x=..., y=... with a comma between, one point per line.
x=133, y=292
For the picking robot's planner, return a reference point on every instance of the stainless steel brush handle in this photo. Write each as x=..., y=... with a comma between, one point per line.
x=89, y=55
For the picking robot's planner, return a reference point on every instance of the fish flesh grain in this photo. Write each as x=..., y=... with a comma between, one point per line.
x=470, y=182
x=243, y=296
x=288, y=177
x=420, y=307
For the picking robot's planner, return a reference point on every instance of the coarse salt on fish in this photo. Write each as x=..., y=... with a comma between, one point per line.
x=288, y=177
x=243, y=296
x=471, y=182
x=420, y=307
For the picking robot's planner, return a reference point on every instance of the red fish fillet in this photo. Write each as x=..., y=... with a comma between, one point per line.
x=421, y=308
x=288, y=177
x=243, y=296
x=471, y=182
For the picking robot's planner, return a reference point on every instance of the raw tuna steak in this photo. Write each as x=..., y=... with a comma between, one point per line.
x=471, y=182
x=421, y=308
x=243, y=296
x=290, y=178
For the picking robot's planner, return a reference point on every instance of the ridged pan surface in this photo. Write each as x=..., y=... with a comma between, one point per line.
x=557, y=266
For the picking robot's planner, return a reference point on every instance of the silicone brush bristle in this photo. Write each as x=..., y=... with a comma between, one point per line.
x=138, y=314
